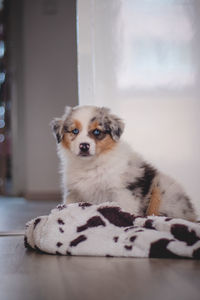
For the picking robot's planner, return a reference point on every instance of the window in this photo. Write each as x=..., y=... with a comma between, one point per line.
x=141, y=59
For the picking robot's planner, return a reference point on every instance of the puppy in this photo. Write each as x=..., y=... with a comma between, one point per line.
x=96, y=166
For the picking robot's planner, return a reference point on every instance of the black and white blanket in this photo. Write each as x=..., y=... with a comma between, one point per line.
x=106, y=230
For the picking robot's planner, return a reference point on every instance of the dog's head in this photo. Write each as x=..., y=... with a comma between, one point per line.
x=88, y=130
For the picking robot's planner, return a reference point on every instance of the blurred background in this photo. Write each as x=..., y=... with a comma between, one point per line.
x=38, y=78
x=138, y=57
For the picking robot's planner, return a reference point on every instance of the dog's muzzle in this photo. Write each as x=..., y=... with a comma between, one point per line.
x=84, y=149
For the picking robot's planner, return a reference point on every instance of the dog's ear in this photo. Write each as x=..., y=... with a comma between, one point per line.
x=57, y=124
x=113, y=124
x=115, y=127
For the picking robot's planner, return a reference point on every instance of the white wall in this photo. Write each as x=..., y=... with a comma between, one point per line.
x=49, y=84
x=141, y=58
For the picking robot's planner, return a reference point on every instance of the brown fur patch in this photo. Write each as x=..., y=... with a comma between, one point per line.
x=94, y=125
x=105, y=144
x=154, y=204
x=70, y=136
x=66, y=141
x=77, y=124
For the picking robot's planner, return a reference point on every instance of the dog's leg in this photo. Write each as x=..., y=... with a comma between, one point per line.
x=154, y=204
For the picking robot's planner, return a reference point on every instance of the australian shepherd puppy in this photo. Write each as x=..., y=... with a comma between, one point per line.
x=97, y=166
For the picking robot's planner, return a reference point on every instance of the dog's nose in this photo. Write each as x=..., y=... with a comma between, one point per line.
x=84, y=147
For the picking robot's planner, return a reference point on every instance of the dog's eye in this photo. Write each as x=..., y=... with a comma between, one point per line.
x=75, y=131
x=96, y=132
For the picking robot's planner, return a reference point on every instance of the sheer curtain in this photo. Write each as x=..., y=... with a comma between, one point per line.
x=141, y=59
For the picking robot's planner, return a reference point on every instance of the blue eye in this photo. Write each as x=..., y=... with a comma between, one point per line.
x=96, y=132
x=75, y=131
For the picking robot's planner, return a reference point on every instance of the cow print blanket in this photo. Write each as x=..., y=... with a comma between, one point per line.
x=106, y=230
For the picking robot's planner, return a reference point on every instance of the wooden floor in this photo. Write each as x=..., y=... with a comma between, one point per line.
x=27, y=275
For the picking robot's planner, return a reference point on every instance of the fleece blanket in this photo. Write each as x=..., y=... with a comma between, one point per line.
x=107, y=230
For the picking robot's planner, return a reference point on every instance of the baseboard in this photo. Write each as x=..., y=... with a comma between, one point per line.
x=43, y=196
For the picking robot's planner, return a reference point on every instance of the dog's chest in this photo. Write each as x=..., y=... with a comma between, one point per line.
x=95, y=184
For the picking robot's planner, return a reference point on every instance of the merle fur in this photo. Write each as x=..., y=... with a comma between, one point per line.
x=143, y=184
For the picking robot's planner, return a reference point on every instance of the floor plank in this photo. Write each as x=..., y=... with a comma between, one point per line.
x=16, y=212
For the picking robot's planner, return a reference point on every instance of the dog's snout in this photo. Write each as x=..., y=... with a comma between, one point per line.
x=84, y=147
